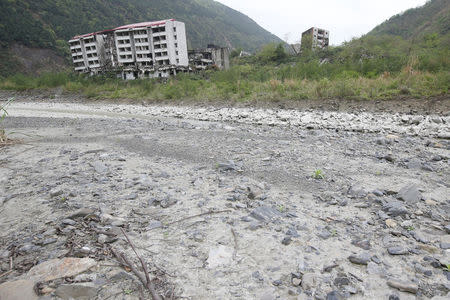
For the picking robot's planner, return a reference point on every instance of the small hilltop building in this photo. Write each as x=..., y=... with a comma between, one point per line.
x=315, y=38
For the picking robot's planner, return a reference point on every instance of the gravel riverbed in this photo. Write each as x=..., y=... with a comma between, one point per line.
x=224, y=203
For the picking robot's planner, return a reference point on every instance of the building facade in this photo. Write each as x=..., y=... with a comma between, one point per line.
x=315, y=38
x=211, y=57
x=149, y=49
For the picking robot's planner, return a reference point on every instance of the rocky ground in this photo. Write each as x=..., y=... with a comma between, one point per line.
x=224, y=203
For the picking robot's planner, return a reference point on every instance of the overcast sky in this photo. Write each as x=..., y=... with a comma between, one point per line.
x=344, y=18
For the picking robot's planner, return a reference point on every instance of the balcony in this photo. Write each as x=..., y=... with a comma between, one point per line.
x=75, y=47
x=91, y=51
x=141, y=36
x=122, y=37
x=125, y=52
x=78, y=60
x=80, y=68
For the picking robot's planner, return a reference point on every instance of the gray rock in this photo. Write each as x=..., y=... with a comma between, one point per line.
x=445, y=245
x=357, y=191
x=154, y=225
x=360, y=259
x=309, y=281
x=287, y=240
x=397, y=250
x=378, y=193
x=265, y=214
x=18, y=290
x=395, y=208
x=404, y=286
x=334, y=295
x=416, y=120
x=168, y=201
x=373, y=268
x=277, y=282
x=47, y=241
x=229, y=166
x=410, y=194
x=56, y=192
x=324, y=234
x=420, y=238
x=99, y=167
x=447, y=228
x=76, y=291
x=81, y=213
x=68, y=222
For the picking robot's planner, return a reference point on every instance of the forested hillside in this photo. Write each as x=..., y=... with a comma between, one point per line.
x=45, y=23
x=433, y=17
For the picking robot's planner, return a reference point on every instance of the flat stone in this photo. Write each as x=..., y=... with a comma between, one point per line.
x=397, y=250
x=360, y=259
x=60, y=268
x=18, y=290
x=445, y=245
x=265, y=214
x=219, y=256
x=410, y=194
x=404, y=286
x=76, y=291
x=80, y=213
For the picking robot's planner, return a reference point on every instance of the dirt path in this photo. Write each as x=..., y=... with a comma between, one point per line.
x=376, y=213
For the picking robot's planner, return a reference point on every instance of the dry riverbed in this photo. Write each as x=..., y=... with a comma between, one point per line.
x=224, y=203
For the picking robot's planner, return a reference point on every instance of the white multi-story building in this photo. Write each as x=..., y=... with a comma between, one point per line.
x=149, y=49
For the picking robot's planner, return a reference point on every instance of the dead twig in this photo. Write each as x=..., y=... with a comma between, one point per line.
x=6, y=273
x=235, y=244
x=148, y=283
x=211, y=212
x=124, y=261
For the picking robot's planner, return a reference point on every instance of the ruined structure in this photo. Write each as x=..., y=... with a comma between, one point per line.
x=315, y=38
x=211, y=57
x=142, y=50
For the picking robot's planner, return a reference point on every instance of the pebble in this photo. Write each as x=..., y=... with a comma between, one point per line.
x=287, y=240
x=397, y=250
x=360, y=259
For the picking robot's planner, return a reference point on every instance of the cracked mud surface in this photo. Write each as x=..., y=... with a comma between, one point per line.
x=316, y=204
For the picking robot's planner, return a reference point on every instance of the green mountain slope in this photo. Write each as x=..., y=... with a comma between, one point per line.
x=433, y=17
x=41, y=23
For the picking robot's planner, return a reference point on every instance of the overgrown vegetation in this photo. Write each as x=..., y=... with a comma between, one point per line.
x=369, y=68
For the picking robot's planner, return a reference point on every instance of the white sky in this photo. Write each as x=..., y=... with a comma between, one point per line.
x=344, y=18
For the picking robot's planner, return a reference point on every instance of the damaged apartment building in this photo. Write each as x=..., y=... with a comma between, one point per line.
x=211, y=57
x=315, y=38
x=142, y=50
